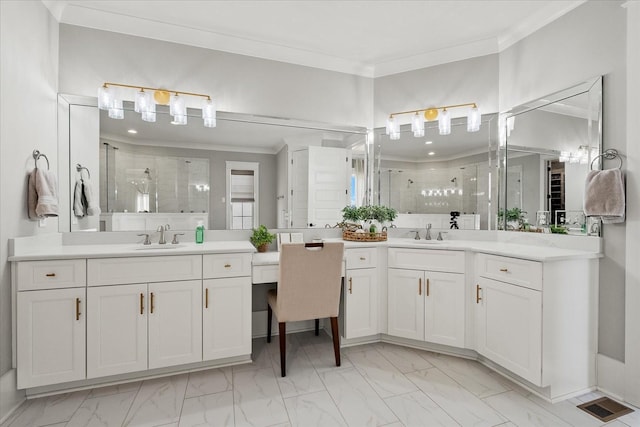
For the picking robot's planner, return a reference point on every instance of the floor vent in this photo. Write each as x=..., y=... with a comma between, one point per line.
x=605, y=409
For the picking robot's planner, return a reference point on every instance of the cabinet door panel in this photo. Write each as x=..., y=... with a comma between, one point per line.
x=175, y=323
x=406, y=303
x=361, y=303
x=116, y=329
x=510, y=328
x=51, y=336
x=444, y=308
x=226, y=318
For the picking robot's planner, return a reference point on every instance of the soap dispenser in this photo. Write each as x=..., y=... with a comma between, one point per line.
x=200, y=232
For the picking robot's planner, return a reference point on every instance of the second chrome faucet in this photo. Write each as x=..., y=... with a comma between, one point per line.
x=161, y=230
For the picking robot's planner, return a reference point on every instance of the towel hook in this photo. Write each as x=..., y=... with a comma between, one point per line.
x=36, y=155
x=609, y=154
x=79, y=168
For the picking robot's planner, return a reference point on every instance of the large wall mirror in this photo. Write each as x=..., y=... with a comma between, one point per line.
x=549, y=146
x=426, y=179
x=248, y=170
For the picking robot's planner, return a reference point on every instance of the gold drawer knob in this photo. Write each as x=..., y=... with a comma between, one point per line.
x=504, y=270
x=50, y=274
x=227, y=266
x=362, y=258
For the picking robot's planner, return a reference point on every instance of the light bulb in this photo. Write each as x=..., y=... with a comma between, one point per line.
x=473, y=119
x=444, y=122
x=417, y=125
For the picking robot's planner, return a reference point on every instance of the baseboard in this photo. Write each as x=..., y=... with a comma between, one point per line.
x=10, y=397
x=259, y=325
x=610, y=376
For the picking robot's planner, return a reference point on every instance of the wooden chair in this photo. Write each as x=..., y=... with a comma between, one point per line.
x=308, y=288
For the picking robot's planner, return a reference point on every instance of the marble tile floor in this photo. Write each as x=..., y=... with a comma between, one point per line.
x=377, y=385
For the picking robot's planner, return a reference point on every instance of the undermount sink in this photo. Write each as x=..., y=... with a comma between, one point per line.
x=150, y=247
x=429, y=242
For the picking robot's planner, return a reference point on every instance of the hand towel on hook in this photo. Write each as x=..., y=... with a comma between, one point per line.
x=42, y=197
x=605, y=195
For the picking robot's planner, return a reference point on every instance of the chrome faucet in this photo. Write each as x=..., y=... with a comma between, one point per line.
x=428, y=235
x=161, y=230
x=417, y=237
x=440, y=235
x=147, y=241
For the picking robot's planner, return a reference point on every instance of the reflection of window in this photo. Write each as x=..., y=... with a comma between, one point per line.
x=242, y=195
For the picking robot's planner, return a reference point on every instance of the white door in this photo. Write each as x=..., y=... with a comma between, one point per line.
x=406, y=303
x=444, y=308
x=300, y=189
x=509, y=321
x=175, y=323
x=226, y=318
x=116, y=329
x=361, y=303
x=329, y=172
x=51, y=336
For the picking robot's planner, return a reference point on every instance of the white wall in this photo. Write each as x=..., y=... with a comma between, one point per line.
x=587, y=42
x=238, y=83
x=28, y=84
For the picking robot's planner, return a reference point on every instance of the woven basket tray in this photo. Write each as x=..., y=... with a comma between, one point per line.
x=364, y=237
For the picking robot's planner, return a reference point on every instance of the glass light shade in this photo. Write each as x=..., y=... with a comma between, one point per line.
x=394, y=128
x=444, y=122
x=143, y=101
x=209, y=113
x=179, y=119
x=564, y=156
x=417, y=125
x=473, y=119
x=149, y=115
x=116, y=111
x=177, y=107
x=390, y=125
x=105, y=97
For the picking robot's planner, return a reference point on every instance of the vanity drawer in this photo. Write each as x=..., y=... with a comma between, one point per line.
x=226, y=265
x=361, y=257
x=516, y=271
x=114, y=271
x=427, y=259
x=34, y=275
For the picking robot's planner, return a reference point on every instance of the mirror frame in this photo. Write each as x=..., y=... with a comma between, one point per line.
x=65, y=101
x=593, y=87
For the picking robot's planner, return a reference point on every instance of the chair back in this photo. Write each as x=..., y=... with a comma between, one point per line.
x=288, y=238
x=309, y=281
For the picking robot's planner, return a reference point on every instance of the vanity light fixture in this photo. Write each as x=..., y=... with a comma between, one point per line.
x=582, y=156
x=443, y=115
x=146, y=99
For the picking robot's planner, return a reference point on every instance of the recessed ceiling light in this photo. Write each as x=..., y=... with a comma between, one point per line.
x=132, y=131
x=431, y=153
x=428, y=142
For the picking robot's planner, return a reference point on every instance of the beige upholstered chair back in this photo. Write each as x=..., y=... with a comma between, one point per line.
x=309, y=281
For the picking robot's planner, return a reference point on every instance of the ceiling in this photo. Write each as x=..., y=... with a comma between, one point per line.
x=367, y=38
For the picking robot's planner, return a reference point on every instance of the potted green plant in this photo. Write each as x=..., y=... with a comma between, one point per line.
x=261, y=238
x=368, y=214
x=513, y=218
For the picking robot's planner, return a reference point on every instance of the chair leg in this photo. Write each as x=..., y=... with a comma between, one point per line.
x=336, y=339
x=283, y=348
x=269, y=316
x=317, y=327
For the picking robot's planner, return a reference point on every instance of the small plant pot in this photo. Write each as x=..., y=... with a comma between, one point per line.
x=263, y=247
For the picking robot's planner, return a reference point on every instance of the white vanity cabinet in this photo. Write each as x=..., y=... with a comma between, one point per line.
x=426, y=291
x=537, y=320
x=136, y=326
x=50, y=323
x=361, y=292
x=226, y=312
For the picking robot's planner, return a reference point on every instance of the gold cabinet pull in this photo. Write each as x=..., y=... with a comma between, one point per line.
x=227, y=266
x=50, y=274
x=141, y=303
x=427, y=287
x=151, y=304
x=362, y=258
x=78, y=309
x=350, y=285
x=420, y=286
x=504, y=270
x=478, y=289
x=206, y=298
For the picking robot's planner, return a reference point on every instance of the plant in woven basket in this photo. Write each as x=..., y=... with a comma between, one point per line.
x=261, y=238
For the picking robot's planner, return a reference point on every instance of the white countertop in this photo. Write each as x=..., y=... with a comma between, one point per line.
x=515, y=250
x=128, y=250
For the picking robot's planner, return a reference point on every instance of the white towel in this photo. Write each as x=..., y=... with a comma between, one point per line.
x=42, y=195
x=92, y=208
x=604, y=195
x=79, y=202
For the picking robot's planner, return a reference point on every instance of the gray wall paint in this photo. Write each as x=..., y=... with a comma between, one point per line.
x=588, y=41
x=28, y=83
